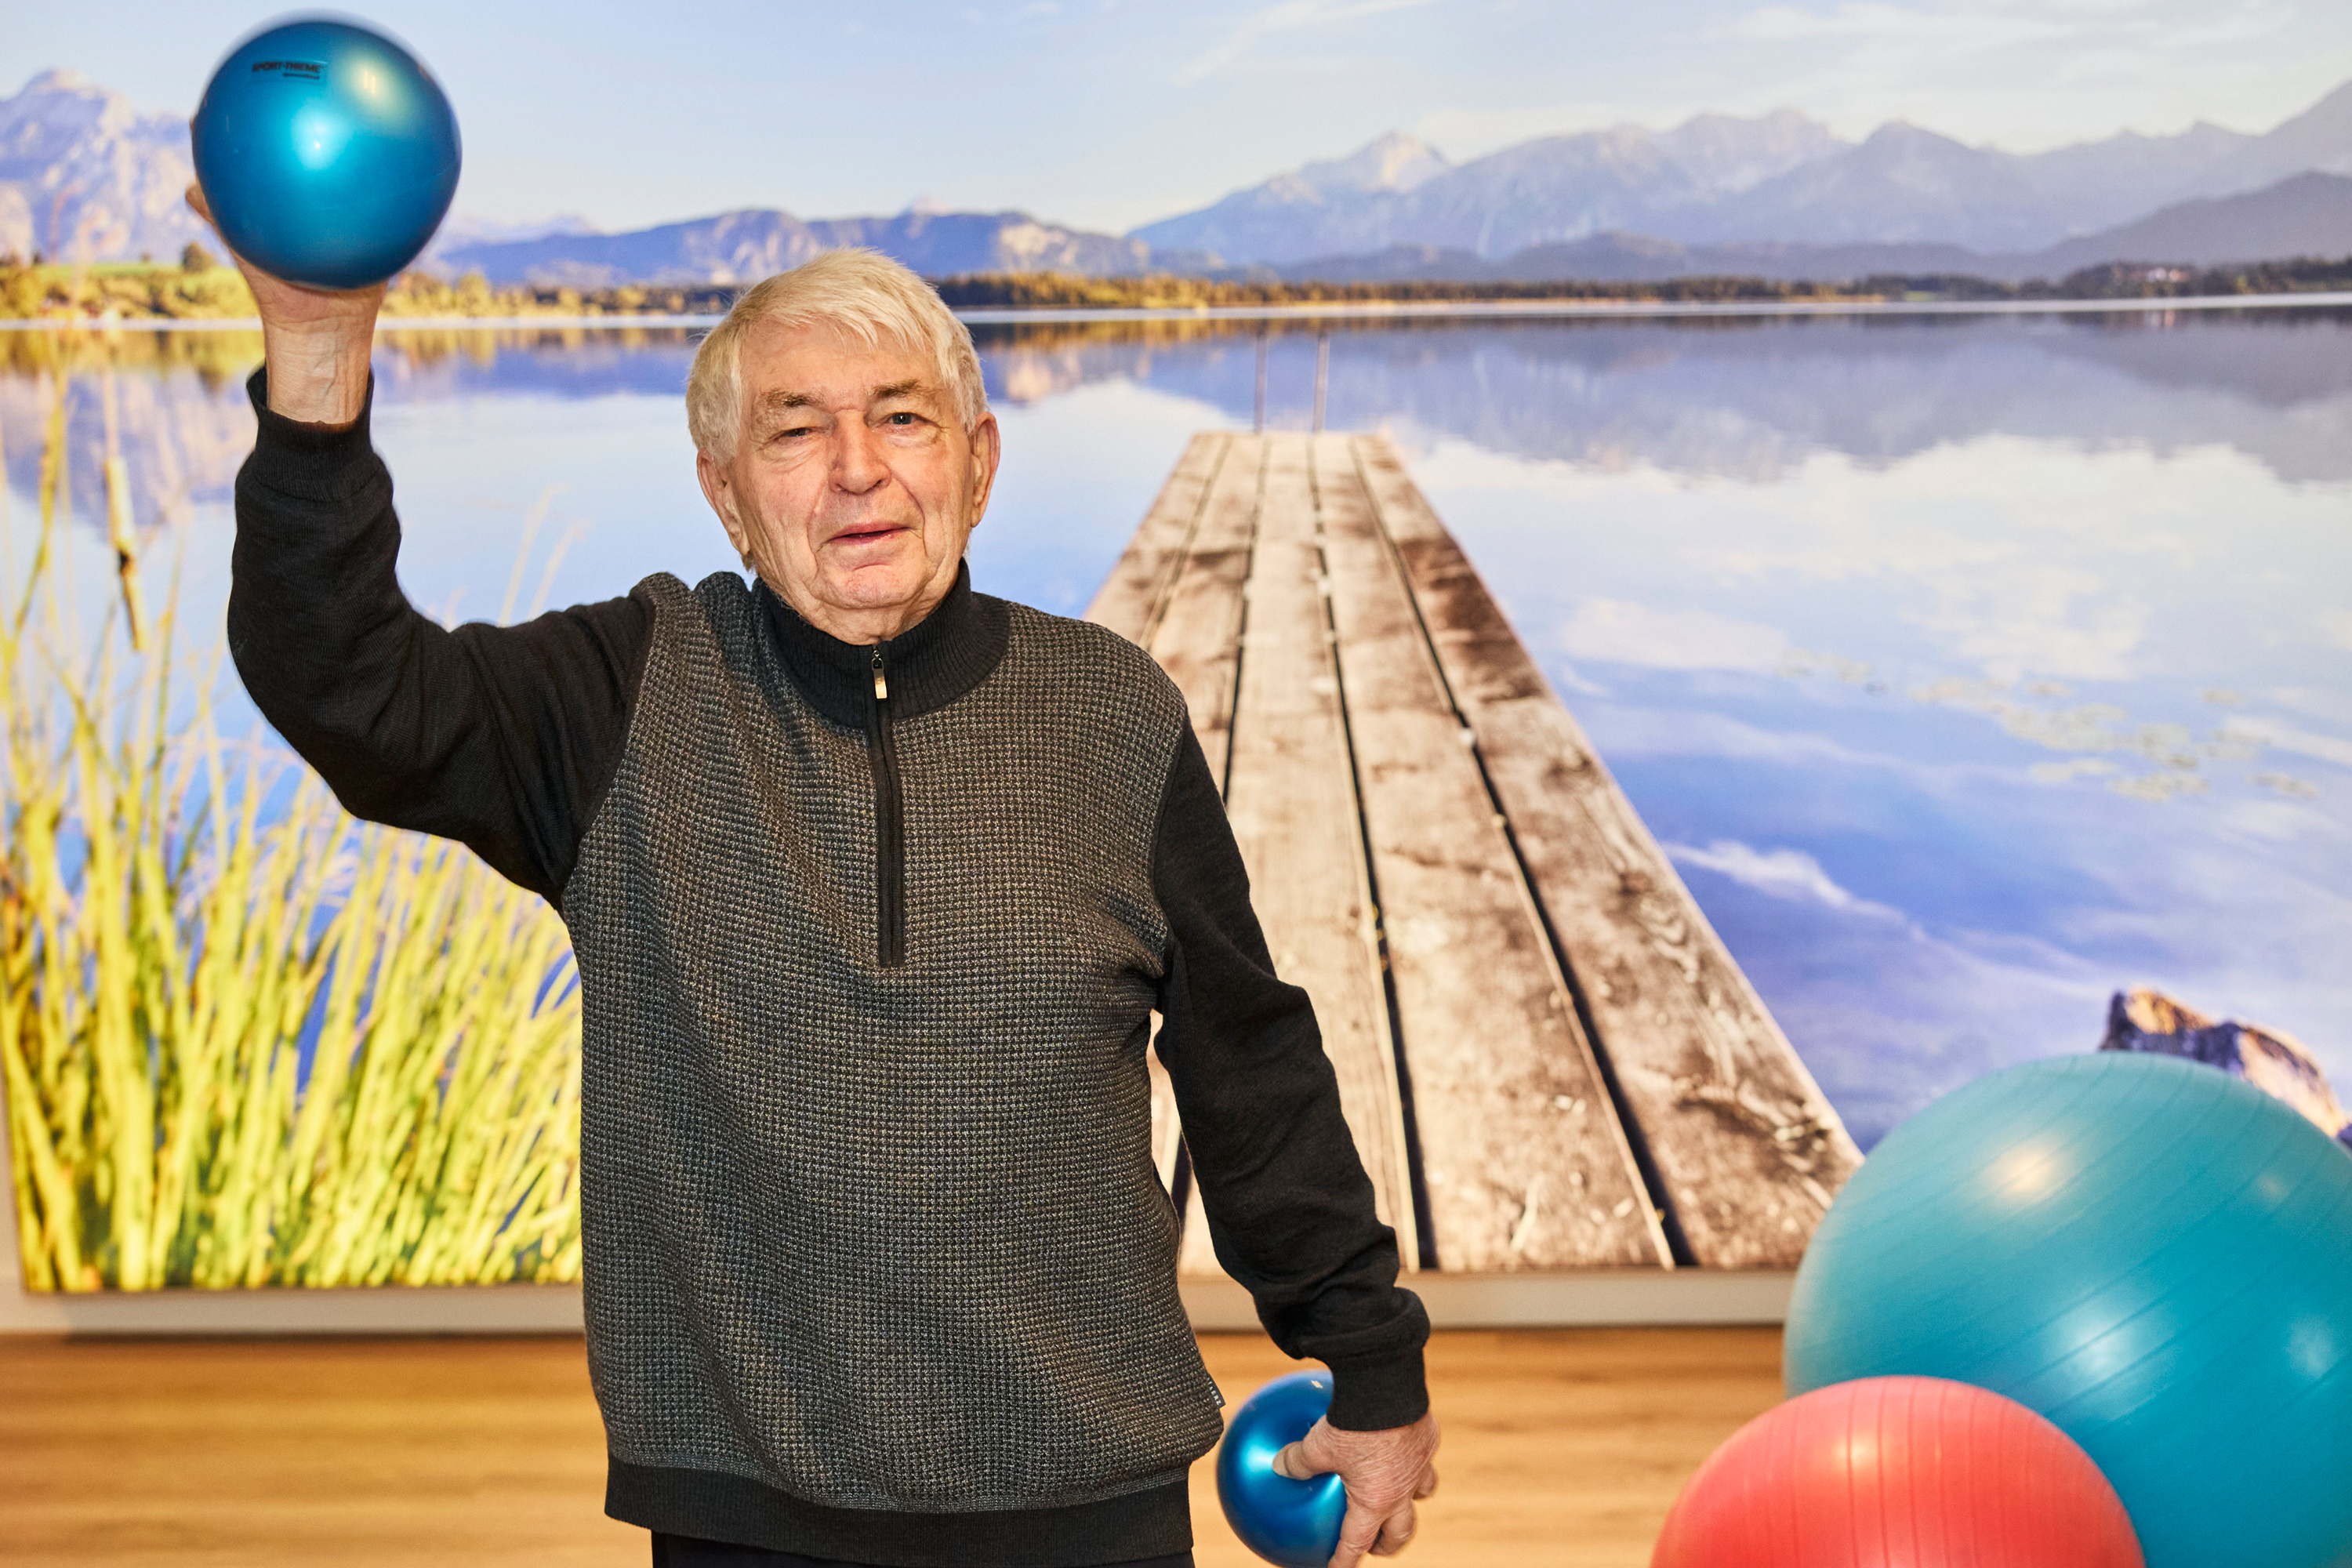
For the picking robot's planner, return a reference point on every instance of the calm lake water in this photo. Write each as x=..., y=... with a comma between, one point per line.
x=1970, y=669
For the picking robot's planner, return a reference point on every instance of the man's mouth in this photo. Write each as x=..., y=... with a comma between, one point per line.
x=865, y=533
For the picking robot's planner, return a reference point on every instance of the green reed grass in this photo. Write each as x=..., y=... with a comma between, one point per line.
x=175, y=911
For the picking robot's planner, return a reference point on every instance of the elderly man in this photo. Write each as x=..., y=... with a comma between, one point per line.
x=875, y=882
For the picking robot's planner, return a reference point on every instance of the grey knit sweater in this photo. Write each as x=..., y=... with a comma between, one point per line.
x=937, y=1174
x=879, y=1266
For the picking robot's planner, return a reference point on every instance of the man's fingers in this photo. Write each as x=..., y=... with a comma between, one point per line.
x=1308, y=1458
x=1397, y=1532
x=1428, y=1484
x=1358, y=1532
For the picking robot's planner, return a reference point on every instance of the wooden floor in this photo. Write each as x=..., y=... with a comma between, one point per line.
x=1563, y=1448
x=1548, y=1058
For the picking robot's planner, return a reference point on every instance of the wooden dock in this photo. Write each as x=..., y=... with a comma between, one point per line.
x=1548, y=1058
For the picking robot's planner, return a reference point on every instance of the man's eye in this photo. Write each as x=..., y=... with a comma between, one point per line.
x=900, y=418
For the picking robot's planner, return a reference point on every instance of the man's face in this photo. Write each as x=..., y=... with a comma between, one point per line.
x=853, y=484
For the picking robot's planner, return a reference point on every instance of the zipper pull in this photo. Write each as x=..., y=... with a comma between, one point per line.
x=881, y=677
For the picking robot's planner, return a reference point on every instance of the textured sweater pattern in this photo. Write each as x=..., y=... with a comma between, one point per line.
x=919, y=1220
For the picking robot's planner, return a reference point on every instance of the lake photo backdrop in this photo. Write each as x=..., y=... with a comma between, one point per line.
x=1970, y=668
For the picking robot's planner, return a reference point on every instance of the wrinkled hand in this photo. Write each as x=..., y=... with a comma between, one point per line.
x=1384, y=1472
x=316, y=339
x=296, y=306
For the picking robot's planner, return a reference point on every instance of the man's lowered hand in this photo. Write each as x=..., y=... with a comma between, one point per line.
x=1385, y=1473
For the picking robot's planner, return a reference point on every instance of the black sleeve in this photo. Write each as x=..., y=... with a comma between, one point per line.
x=502, y=736
x=1289, y=1204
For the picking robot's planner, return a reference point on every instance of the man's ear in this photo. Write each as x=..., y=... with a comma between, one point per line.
x=719, y=489
x=986, y=448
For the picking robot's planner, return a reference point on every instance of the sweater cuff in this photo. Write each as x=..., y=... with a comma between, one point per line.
x=1373, y=1393
x=311, y=462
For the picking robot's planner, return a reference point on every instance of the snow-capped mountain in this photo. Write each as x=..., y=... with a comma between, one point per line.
x=1778, y=178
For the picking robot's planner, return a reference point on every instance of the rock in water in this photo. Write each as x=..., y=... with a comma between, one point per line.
x=2279, y=1065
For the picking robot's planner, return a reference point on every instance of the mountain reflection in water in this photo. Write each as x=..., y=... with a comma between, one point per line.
x=1970, y=668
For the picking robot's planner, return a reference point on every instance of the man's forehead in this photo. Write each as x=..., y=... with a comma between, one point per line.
x=810, y=367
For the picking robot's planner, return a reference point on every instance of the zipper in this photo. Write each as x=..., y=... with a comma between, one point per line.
x=889, y=825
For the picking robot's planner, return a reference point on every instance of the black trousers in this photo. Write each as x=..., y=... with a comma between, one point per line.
x=686, y=1551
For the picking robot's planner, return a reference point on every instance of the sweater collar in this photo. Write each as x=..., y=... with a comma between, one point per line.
x=931, y=664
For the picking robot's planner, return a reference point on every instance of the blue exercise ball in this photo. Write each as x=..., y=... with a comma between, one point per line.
x=327, y=154
x=1293, y=1524
x=2156, y=1256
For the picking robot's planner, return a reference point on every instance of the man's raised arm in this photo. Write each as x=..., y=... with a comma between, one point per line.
x=501, y=737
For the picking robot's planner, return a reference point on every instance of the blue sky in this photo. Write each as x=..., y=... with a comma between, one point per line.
x=1106, y=113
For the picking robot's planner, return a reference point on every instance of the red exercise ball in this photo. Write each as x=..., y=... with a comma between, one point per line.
x=1898, y=1472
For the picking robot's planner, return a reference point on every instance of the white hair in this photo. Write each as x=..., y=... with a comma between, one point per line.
x=861, y=294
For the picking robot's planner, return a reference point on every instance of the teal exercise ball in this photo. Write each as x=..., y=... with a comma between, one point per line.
x=2154, y=1254
x=327, y=154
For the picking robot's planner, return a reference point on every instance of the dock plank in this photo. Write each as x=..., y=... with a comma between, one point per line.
x=1525, y=1162
x=1292, y=798
x=1182, y=592
x=1748, y=1149
x=1198, y=638
x=1133, y=597
x=1131, y=602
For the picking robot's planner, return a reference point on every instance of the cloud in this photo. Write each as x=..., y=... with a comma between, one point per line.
x=2028, y=560
x=1966, y=28
x=2099, y=727
x=2068, y=771
x=1654, y=732
x=2158, y=786
x=1789, y=874
x=2289, y=786
x=2285, y=737
x=1613, y=631
x=2086, y=727
x=2068, y=629
x=2334, y=706
x=2039, y=74
x=1291, y=16
x=1798, y=662
x=1888, y=1016
x=2019, y=74
x=1887, y=1021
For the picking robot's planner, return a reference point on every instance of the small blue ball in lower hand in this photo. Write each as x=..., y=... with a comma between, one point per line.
x=1293, y=1524
x=327, y=154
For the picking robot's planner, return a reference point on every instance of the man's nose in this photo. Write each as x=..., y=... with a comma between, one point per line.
x=857, y=461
